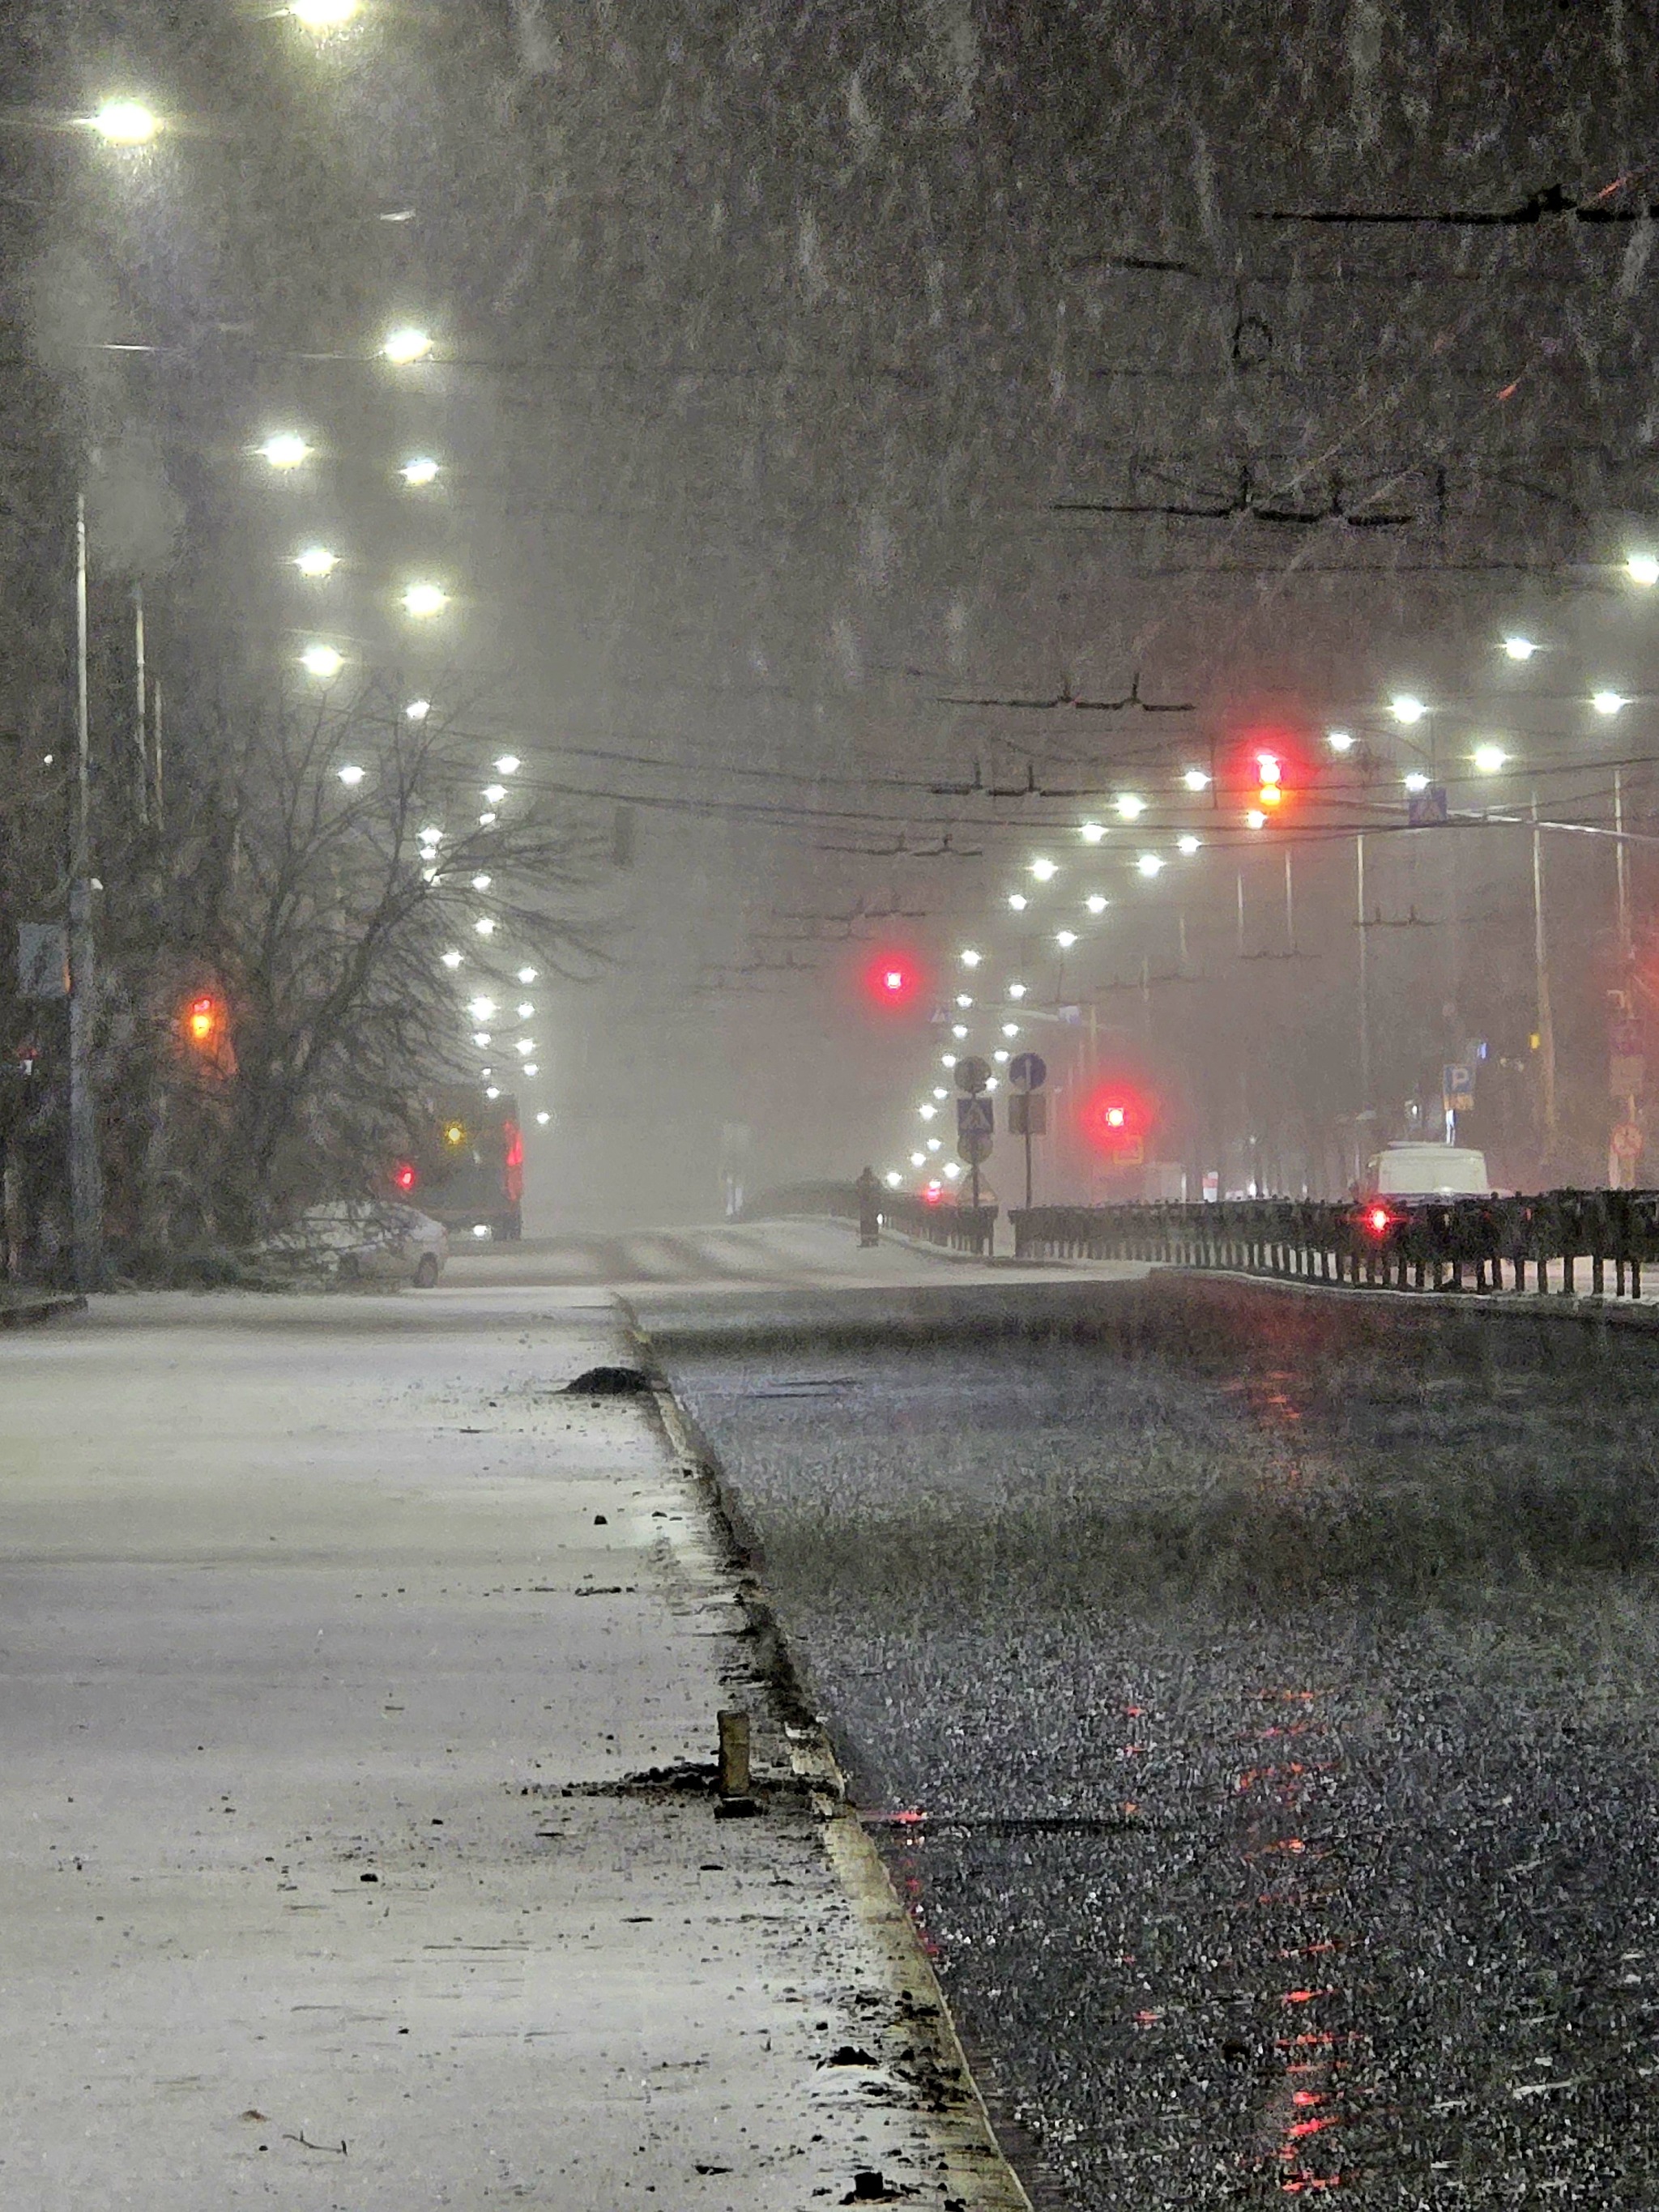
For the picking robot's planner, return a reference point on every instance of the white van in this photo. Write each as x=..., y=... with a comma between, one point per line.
x=1413, y=1170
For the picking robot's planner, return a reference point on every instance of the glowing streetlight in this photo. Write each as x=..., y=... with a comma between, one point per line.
x=1044, y=871
x=918, y=1159
x=525, y=1010
x=508, y=764
x=542, y=1121
x=1416, y=783
x=316, y=561
x=321, y=660
x=528, y=975
x=323, y=15
x=351, y=776
x=1196, y=779
x=947, y=1059
x=494, y=793
x=1405, y=707
x=126, y=122
x=451, y=958
x=418, y=709
x=1095, y=903
x=1340, y=741
x=1017, y=990
x=952, y=1170
x=1643, y=568
x=1489, y=758
x=1187, y=845
x=531, y=1068
x=928, y=1112
x=524, y=1046
x=422, y=601
x=1519, y=648
x=1066, y=939
x=285, y=449
x=481, y=1038
x=481, y=1009
x=963, y=1001
x=934, y=1145
x=406, y=344
x=1609, y=702
x=1255, y=819
x=485, y=926
x=482, y=883
x=958, y=1030
x=419, y=472
x=1130, y=805
x=431, y=834
x=1092, y=832
x=1000, y=1057
x=1151, y=864
x=893, y=1178
x=1018, y=901
x=940, y=1093
x=970, y=958
x=1010, y=1028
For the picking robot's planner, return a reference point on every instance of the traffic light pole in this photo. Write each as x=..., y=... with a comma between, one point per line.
x=86, y=1179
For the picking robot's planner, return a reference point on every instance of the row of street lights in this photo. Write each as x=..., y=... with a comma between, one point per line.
x=1489, y=757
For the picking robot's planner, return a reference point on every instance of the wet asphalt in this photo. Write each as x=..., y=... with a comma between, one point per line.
x=1253, y=1699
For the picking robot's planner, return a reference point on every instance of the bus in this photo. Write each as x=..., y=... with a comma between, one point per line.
x=466, y=1169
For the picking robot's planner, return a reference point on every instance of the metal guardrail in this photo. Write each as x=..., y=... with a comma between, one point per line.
x=1458, y=1245
x=953, y=1228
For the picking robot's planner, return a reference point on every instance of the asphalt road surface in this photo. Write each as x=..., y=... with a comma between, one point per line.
x=1254, y=1699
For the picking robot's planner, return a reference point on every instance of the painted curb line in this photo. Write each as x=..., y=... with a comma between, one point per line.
x=959, y=2121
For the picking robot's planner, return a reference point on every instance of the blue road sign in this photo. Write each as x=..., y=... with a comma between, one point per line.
x=974, y=1117
x=1027, y=1070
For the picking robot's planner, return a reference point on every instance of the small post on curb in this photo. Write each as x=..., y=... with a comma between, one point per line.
x=734, y=1754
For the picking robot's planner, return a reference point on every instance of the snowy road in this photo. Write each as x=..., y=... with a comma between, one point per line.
x=1255, y=1702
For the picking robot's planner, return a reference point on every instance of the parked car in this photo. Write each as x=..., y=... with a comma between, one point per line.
x=368, y=1240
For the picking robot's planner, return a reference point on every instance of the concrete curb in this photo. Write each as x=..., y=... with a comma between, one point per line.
x=1381, y=1297
x=19, y=1313
x=957, y=2113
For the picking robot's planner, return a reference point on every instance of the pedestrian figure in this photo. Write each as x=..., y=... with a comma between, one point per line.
x=869, y=1191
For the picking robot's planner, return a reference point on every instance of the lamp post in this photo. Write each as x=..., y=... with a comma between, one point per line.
x=86, y=1176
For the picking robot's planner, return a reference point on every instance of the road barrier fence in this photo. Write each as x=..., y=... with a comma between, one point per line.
x=1453, y=1244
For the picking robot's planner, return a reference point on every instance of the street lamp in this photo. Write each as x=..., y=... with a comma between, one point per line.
x=423, y=470
x=422, y=601
x=323, y=15
x=351, y=776
x=1066, y=939
x=1092, y=832
x=286, y=449
x=1044, y=871
x=1340, y=741
x=1187, y=845
x=1489, y=759
x=1416, y=783
x=1519, y=648
x=1151, y=864
x=321, y=661
x=1095, y=903
x=406, y=344
x=1405, y=707
x=508, y=764
x=970, y=958
x=1018, y=901
x=418, y=709
x=1130, y=805
x=125, y=123
x=1196, y=779
x=1643, y=568
x=316, y=561
x=1609, y=702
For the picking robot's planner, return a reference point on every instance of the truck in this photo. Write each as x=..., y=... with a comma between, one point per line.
x=465, y=1166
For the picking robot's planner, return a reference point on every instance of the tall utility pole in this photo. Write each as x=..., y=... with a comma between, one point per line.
x=1540, y=967
x=140, y=734
x=86, y=1178
x=1364, y=976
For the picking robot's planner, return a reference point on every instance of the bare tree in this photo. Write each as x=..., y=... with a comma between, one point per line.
x=331, y=867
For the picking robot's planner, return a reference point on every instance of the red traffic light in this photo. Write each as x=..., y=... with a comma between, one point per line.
x=1115, y=1120
x=1379, y=1220
x=892, y=981
x=205, y=1025
x=405, y=1174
